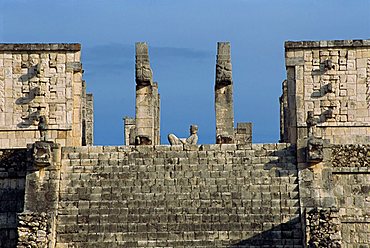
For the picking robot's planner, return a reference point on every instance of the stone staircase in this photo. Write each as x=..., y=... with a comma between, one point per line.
x=162, y=196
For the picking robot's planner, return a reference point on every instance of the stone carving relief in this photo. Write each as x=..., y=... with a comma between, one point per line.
x=42, y=153
x=315, y=150
x=144, y=74
x=311, y=124
x=314, y=143
x=224, y=72
x=223, y=65
x=34, y=88
x=42, y=127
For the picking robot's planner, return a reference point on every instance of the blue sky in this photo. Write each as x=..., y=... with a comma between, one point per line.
x=182, y=37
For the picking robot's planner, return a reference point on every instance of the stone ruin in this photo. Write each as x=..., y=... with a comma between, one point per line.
x=144, y=128
x=309, y=190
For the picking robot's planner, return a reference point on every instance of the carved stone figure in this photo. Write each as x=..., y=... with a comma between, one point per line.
x=315, y=149
x=223, y=72
x=223, y=64
x=311, y=124
x=42, y=153
x=42, y=127
x=191, y=140
x=144, y=74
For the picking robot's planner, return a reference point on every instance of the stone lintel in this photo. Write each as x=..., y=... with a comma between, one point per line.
x=40, y=47
x=326, y=43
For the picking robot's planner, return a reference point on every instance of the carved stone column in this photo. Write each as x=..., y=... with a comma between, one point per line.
x=224, y=95
x=147, y=99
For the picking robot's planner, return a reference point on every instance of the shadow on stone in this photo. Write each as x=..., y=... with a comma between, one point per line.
x=286, y=234
x=285, y=162
x=13, y=165
x=29, y=120
x=32, y=72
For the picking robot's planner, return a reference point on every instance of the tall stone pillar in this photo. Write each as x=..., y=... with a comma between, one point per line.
x=147, y=99
x=224, y=95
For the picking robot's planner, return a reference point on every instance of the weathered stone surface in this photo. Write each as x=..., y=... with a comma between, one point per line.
x=331, y=43
x=161, y=196
x=40, y=80
x=13, y=165
x=40, y=47
x=224, y=95
x=328, y=79
x=32, y=230
x=147, y=118
x=356, y=155
x=42, y=153
x=88, y=133
x=144, y=74
x=129, y=130
x=243, y=133
x=315, y=150
x=323, y=228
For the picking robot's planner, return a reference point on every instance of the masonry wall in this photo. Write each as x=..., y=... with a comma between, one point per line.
x=351, y=189
x=40, y=79
x=332, y=79
x=163, y=196
x=12, y=187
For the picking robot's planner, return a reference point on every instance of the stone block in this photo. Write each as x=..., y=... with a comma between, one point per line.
x=294, y=61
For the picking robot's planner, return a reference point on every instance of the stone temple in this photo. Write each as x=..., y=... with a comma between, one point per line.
x=310, y=190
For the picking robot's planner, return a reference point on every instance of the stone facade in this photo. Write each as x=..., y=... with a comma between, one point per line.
x=311, y=190
x=337, y=94
x=325, y=112
x=36, y=80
